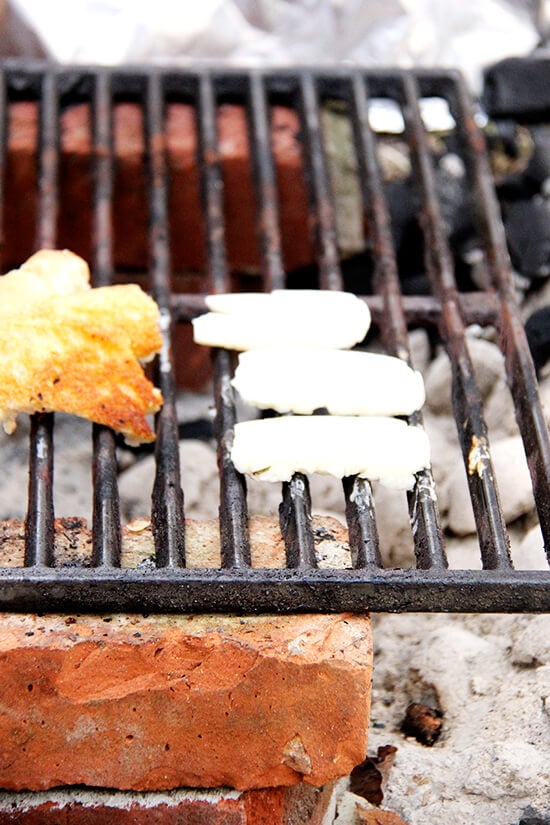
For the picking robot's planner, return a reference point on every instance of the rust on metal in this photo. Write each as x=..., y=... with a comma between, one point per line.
x=167, y=584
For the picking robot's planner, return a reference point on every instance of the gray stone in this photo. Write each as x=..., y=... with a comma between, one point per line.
x=199, y=478
x=446, y=454
x=513, y=481
x=530, y=554
x=499, y=412
x=420, y=349
x=488, y=365
x=72, y=468
x=394, y=527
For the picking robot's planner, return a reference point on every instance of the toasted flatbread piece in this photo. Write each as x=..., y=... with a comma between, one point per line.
x=378, y=448
x=68, y=348
x=51, y=364
x=45, y=274
x=124, y=307
x=344, y=382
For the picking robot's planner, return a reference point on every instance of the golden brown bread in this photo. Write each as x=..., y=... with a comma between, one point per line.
x=125, y=307
x=88, y=371
x=67, y=348
x=47, y=273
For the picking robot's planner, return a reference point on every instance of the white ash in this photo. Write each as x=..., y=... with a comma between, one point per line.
x=490, y=675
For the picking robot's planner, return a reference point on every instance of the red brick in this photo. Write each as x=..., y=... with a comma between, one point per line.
x=172, y=701
x=130, y=204
x=300, y=805
x=130, y=210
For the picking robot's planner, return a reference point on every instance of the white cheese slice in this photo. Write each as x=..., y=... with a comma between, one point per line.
x=346, y=383
x=307, y=318
x=377, y=448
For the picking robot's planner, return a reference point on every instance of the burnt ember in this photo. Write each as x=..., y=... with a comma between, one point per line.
x=423, y=723
x=369, y=779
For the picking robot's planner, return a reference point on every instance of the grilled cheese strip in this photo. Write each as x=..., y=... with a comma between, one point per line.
x=345, y=383
x=300, y=317
x=45, y=274
x=58, y=365
x=377, y=448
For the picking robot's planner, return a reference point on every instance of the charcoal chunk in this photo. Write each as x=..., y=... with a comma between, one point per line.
x=518, y=88
x=537, y=330
x=527, y=225
x=423, y=722
x=369, y=779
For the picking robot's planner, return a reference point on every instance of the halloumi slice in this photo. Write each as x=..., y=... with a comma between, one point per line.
x=345, y=383
x=307, y=318
x=377, y=448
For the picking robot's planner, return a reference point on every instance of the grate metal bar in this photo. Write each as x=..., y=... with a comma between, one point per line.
x=360, y=515
x=295, y=521
x=472, y=431
x=519, y=366
x=475, y=308
x=302, y=586
x=235, y=546
x=106, y=502
x=269, y=234
x=3, y=145
x=39, y=523
x=167, y=512
x=212, y=188
x=322, y=218
x=427, y=533
x=103, y=173
x=280, y=591
x=295, y=508
x=48, y=173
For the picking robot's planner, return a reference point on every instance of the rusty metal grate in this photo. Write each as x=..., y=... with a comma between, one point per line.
x=302, y=586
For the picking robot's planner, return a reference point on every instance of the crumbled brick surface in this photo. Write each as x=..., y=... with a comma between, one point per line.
x=169, y=701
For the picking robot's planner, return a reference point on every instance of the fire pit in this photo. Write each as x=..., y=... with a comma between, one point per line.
x=448, y=308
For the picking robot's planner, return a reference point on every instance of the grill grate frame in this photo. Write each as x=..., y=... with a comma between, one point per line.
x=237, y=587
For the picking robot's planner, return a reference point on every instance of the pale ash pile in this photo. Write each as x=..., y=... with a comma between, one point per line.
x=489, y=675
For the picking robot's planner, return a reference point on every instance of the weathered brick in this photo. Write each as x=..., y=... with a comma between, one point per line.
x=299, y=805
x=171, y=701
x=130, y=198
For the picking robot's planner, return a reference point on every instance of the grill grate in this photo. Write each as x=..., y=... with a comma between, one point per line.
x=302, y=586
